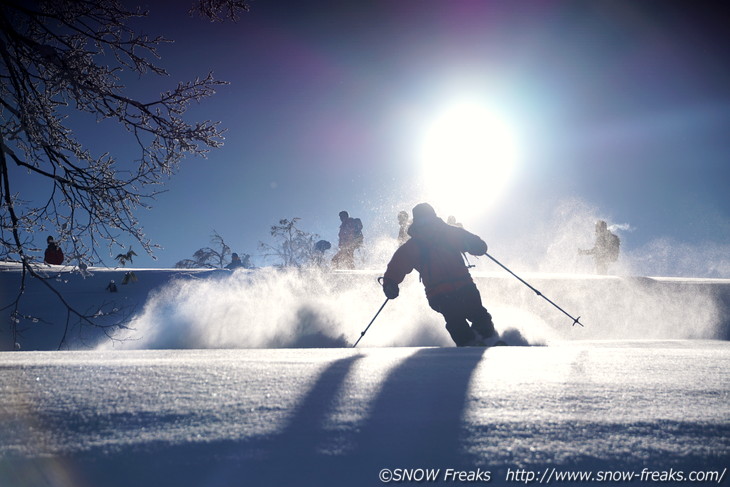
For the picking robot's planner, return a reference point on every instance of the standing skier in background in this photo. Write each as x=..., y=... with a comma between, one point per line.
x=350, y=239
x=605, y=249
x=435, y=251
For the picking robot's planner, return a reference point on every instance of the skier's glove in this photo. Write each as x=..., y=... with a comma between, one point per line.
x=390, y=288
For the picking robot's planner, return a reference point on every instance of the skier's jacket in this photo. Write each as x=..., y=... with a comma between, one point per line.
x=435, y=251
x=53, y=255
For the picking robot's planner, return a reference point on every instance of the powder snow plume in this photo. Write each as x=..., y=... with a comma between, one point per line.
x=288, y=308
x=296, y=308
x=275, y=308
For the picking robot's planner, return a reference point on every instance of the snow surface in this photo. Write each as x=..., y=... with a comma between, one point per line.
x=249, y=378
x=338, y=416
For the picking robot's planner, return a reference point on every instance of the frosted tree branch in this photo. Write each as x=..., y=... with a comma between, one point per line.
x=66, y=60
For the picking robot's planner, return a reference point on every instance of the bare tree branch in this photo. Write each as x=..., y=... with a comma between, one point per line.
x=63, y=61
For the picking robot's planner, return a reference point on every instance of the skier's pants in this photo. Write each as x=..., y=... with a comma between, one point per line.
x=459, y=306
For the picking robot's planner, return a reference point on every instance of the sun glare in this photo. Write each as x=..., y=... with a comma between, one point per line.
x=467, y=156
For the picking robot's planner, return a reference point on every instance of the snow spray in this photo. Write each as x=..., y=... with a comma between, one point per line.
x=690, y=300
x=271, y=307
x=278, y=308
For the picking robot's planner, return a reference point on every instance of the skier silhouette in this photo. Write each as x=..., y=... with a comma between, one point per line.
x=435, y=251
x=605, y=249
x=350, y=239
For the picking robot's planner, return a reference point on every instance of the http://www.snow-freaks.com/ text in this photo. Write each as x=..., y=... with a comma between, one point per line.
x=547, y=476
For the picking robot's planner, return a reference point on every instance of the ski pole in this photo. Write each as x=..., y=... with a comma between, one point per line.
x=575, y=320
x=371, y=322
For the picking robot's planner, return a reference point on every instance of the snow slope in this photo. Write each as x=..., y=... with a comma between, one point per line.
x=339, y=417
x=248, y=378
x=269, y=308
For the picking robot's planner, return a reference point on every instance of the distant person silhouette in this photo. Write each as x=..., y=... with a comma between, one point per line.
x=236, y=262
x=605, y=249
x=452, y=221
x=435, y=250
x=350, y=239
x=54, y=254
x=404, y=221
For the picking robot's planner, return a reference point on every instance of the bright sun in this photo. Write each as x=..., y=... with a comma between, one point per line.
x=467, y=156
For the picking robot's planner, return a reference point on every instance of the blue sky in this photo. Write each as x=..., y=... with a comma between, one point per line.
x=623, y=106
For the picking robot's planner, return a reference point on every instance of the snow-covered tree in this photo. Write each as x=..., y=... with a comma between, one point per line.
x=215, y=257
x=62, y=61
x=294, y=247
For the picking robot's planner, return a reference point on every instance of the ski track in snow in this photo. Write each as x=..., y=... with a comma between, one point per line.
x=339, y=416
